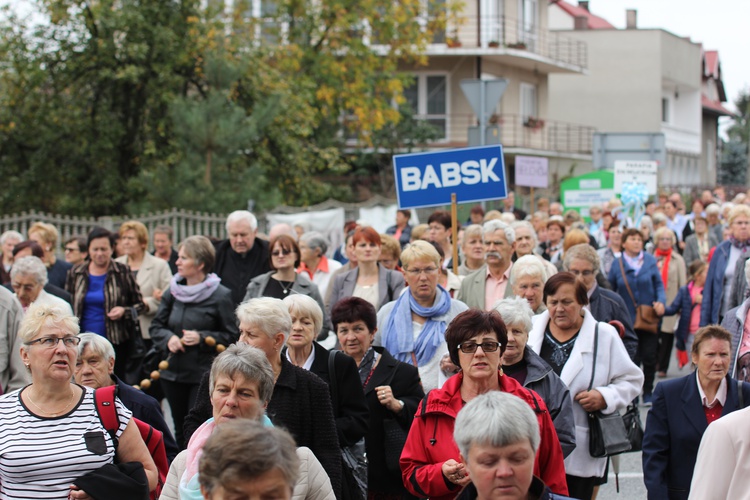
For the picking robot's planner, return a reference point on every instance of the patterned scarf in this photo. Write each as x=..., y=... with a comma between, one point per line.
x=742, y=245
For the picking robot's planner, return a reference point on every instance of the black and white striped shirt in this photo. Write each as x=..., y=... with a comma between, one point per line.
x=41, y=457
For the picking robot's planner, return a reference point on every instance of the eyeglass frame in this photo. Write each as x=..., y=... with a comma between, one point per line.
x=282, y=252
x=474, y=345
x=428, y=271
x=68, y=338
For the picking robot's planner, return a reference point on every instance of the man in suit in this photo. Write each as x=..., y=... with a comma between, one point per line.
x=490, y=283
x=605, y=305
x=509, y=206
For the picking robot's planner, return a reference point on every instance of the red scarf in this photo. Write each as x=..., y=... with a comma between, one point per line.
x=667, y=254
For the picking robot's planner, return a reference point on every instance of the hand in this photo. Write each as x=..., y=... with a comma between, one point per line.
x=157, y=294
x=174, y=344
x=116, y=313
x=455, y=472
x=77, y=494
x=447, y=366
x=385, y=397
x=658, y=308
x=591, y=400
x=190, y=337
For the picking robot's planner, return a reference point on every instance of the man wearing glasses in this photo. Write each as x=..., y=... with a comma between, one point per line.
x=490, y=283
x=28, y=277
x=412, y=327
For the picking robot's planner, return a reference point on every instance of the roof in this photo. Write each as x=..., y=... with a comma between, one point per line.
x=714, y=107
x=711, y=66
x=594, y=22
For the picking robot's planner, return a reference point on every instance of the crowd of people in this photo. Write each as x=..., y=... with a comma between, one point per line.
x=383, y=369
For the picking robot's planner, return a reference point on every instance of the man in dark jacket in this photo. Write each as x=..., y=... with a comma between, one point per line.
x=242, y=256
x=95, y=369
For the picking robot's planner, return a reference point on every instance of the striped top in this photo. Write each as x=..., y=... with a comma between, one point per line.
x=41, y=457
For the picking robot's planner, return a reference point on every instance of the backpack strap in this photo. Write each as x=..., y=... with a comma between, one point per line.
x=537, y=408
x=104, y=399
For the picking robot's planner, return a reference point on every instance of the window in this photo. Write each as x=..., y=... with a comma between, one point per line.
x=528, y=21
x=428, y=97
x=664, y=110
x=529, y=107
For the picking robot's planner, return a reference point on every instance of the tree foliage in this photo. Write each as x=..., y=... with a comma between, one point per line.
x=130, y=105
x=734, y=157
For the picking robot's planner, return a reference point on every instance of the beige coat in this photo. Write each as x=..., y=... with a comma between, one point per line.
x=153, y=274
x=313, y=482
x=677, y=278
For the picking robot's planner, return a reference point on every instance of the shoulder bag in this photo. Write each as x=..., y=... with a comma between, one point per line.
x=354, y=457
x=607, y=435
x=646, y=318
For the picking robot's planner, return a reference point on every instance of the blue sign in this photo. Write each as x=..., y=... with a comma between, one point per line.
x=429, y=179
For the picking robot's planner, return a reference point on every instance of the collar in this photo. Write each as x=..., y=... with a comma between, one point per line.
x=322, y=267
x=589, y=293
x=506, y=274
x=308, y=361
x=721, y=394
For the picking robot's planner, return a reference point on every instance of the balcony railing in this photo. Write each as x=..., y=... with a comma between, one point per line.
x=515, y=131
x=503, y=34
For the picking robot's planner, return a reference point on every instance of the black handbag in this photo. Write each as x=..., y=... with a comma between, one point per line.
x=633, y=427
x=394, y=438
x=607, y=434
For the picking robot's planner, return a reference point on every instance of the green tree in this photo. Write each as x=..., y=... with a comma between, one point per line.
x=734, y=157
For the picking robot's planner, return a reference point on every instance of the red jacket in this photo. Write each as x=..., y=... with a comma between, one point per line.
x=430, y=442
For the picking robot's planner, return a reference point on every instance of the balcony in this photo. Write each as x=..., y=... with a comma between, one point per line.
x=515, y=131
x=509, y=41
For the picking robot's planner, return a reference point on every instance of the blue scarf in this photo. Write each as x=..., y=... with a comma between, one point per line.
x=399, y=340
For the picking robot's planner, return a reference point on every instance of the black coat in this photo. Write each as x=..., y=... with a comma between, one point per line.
x=300, y=404
x=212, y=317
x=147, y=409
x=407, y=387
x=237, y=270
x=606, y=305
x=350, y=408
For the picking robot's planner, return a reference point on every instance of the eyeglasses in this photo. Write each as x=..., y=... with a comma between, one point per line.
x=74, y=249
x=585, y=274
x=283, y=251
x=471, y=347
x=51, y=342
x=26, y=288
x=427, y=271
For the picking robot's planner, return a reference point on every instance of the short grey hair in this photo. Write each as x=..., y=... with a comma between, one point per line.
x=38, y=316
x=314, y=240
x=528, y=265
x=646, y=219
x=8, y=235
x=491, y=226
x=245, y=360
x=305, y=306
x=528, y=225
x=269, y=315
x=659, y=218
x=200, y=249
x=30, y=266
x=495, y=419
x=713, y=208
x=242, y=215
x=241, y=451
x=98, y=344
x=582, y=251
x=515, y=311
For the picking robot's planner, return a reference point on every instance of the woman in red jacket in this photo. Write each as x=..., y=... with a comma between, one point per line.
x=430, y=462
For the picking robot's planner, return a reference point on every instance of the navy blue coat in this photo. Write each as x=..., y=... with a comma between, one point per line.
x=647, y=286
x=674, y=428
x=147, y=409
x=605, y=305
x=683, y=304
x=713, y=291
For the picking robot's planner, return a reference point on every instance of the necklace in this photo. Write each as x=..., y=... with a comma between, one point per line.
x=286, y=288
x=72, y=395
